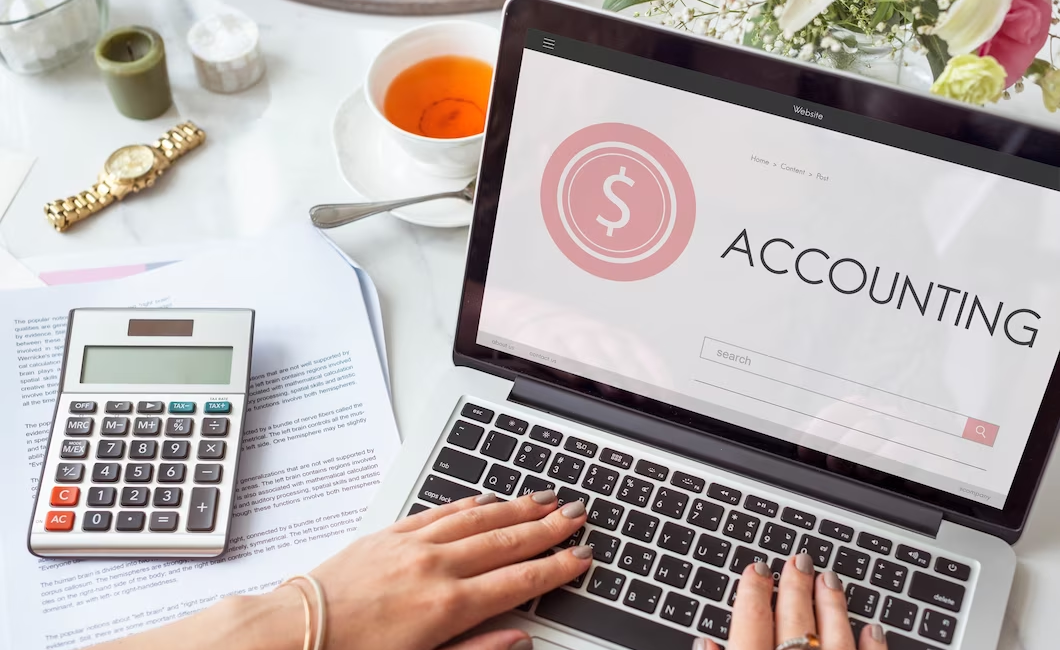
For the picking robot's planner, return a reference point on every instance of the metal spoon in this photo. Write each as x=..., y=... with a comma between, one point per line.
x=331, y=215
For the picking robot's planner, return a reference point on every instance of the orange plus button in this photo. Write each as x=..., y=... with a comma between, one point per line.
x=59, y=521
x=65, y=496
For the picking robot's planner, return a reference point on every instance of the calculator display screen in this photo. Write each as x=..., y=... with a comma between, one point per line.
x=111, y=364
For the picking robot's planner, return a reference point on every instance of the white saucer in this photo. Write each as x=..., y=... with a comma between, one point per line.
x=377, y=168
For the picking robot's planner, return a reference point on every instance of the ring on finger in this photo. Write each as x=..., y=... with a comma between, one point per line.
x=808, y=641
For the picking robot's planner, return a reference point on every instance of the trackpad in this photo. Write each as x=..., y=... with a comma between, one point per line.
x=541, y=644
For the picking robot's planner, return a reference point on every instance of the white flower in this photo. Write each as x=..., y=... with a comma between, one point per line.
x=970, y=23
x=754, y=12
x=806, y=53
x=689, y=13
x=944, y=5
x=799, y=13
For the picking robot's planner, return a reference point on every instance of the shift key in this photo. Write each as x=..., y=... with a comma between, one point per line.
x=459, y=465
x=938, y=592
x=439, y=491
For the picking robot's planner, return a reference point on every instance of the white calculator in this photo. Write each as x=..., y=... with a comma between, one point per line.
x=145, y=441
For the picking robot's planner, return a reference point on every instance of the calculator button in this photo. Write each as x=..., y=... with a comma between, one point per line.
x=115, y=426
x=79, y=426
x=164, y=522
x=171, y=473
x=202, y=509
x=178, y=426
x=96, y=521
x=110, y=449
x=57, y=521
x=134, y=496
x=175, y=449
x=213, y=450
x=138, y=472
x=130, y=521
x=147, y=426
x=182, y=407
x=74, y=449
x=167, y=497
x=69, y=473
x=217, y=407
x=106, y=472
x=208, y=473
x=143, y=449
x=215, y=426
x=65, y=496
x=119, y=407
x=101, y=497
x=82, y=407
x=149, y=407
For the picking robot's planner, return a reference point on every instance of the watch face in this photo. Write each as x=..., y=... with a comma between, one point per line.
x=130, y=162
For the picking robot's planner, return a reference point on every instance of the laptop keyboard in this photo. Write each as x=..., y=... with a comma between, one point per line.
x=669, y=542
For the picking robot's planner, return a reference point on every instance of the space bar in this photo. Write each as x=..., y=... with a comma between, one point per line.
x=610, y=623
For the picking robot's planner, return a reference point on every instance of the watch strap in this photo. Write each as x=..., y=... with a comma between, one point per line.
x=66, y=212
x=180, y=140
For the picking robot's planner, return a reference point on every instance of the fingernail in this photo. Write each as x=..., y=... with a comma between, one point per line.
x=763, y=570
x=699, y=644
x=573, y=510
x=804, y=563
x=522, y=644
x=876, y=631
x=832, y=581
x=544, y=498
x=582, y=552
x=483, y=499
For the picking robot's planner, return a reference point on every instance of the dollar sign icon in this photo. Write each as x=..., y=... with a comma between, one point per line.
x=620, y=177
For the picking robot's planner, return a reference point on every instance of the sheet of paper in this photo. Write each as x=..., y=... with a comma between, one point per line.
x=14, y=275
x=320, y=432
x=111, y=265
x=13, y=169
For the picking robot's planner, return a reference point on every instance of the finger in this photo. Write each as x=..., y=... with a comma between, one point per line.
x=490, y=517
x=752, y=614
x=502, y=546
x=833, y=624
x=872, y=638
x=510, y=586
x=704, y=644
x=795, y=616
x=431, y=515
x=499, y=640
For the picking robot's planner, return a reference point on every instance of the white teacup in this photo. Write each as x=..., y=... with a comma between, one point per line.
x=449, y=157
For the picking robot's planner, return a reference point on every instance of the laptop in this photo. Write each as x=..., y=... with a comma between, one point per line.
x=746, y=307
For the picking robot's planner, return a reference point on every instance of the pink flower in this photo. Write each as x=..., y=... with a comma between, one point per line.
x=1020, y=38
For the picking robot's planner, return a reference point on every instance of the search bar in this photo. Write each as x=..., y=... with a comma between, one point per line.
x=838, y=400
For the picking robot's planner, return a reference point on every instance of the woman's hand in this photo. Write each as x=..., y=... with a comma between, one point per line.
x=437, y=574
x=413, y=586
x=805, y=604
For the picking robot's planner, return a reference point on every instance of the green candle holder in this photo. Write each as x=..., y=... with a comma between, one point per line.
x=133, y=62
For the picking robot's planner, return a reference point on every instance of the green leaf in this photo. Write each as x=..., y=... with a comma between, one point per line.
x=937, y=53
x=619, y=5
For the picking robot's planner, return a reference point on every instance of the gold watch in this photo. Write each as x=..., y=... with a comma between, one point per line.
x=129, y=169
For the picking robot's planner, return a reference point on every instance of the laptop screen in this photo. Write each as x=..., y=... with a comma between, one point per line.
x=883, y=296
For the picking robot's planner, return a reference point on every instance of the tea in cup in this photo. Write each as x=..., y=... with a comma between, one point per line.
x=430, y=87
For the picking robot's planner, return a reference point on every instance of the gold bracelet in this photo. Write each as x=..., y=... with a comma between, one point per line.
x=307, y=643
x=321, y=626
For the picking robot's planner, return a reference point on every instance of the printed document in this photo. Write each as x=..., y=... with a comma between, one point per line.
x=320, y=432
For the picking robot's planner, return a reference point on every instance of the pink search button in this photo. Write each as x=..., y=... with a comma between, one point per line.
x=982, y=432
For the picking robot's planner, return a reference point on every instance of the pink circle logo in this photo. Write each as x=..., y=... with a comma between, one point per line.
x=618, y=202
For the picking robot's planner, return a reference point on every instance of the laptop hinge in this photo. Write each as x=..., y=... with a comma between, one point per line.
x=731, y=456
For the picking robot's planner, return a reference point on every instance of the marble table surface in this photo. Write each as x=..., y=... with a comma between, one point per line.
x=269, y=159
